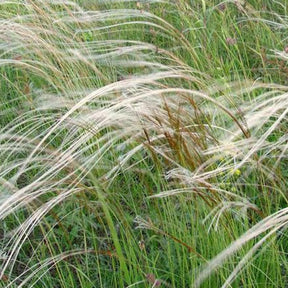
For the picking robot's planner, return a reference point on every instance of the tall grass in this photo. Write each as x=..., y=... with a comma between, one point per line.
x=139, y=140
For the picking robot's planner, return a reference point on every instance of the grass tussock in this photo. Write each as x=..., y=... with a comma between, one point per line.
x=143, y=144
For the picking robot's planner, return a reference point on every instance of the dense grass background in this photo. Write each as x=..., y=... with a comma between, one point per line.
x=143, y=143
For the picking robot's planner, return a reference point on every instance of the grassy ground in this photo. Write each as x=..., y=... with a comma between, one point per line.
x=143, y=143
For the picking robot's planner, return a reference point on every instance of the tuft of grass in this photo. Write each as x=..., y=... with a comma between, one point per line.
x=143, y=143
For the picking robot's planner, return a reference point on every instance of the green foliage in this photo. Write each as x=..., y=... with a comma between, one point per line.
x=142, y=141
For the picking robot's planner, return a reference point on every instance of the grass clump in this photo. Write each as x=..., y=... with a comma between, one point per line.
x=143, y=144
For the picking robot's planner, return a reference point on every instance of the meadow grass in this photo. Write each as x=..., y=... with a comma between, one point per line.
x=143, y=143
